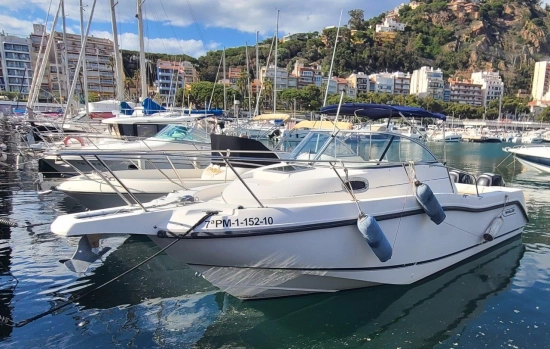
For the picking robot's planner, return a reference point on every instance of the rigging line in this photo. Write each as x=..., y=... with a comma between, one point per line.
x=196, y=24
x=174, y=31
x=465, y=231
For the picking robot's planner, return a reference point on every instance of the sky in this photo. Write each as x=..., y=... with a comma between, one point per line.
x=192, y=27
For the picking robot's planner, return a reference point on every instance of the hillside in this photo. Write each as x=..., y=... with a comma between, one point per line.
x=508, y=36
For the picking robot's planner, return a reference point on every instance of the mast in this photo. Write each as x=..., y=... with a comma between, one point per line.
x=248, y=80
x=79, y=63
x=332, y=60
x=257, y=58
x=65, y=60
x=118, y=57
x=223, y=81
x=142, y=63
x=84, y=72
x=35, y=87
x=275, y=77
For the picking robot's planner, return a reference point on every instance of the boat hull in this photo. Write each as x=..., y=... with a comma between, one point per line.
x=272, y=264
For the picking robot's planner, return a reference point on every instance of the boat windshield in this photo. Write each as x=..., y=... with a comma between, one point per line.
x=362, y=147
x=183, y=133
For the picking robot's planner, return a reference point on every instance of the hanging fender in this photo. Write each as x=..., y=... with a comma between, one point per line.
x=371, y=231
x=67, y=140
x=426, y=198
x=492, y=230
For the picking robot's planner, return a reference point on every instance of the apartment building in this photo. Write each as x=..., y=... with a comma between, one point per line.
x=465, y=92
x=172, y=76
x=307, y=75
x=382, y=82
x=268, y=74
x=99, y=56
x=15, y=64
x=427, y=82
x=401, y=83
x=492, y=85
x=541, y=80
x=336, y=85
x=361, y=82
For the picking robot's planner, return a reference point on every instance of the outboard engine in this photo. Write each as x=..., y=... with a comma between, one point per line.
x=490, y=180
x=461, y=177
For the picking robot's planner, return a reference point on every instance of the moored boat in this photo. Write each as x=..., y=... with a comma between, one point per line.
x=330, y=217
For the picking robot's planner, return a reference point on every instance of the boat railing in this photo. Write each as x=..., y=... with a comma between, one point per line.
x=231, y=159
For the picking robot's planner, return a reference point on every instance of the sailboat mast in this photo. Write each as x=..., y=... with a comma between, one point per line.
x=275, y=73
x=332, y=60
x=248, y=80
x=81, y=57
x=119, y=94
x=40, y=74
x=257, y=57
x=84, y=70
x=65, y=58
x=223, y=80
x=142, y=63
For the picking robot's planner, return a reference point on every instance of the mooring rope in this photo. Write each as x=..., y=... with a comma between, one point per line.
x=4, y=320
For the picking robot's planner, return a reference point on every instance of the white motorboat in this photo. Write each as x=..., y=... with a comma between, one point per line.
x=533, y=156
x=171, y=138
x=333, y=218
x=450, y=137
x=103, y=190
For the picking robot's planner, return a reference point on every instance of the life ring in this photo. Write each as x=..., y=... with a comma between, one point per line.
x=67, y=139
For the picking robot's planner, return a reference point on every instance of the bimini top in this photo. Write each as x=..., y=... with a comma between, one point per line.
x=323, y=125
x=380, y=111
x=265, y=117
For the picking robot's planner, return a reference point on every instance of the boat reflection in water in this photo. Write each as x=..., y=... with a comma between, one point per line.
x=421, y=315
x=160, y=278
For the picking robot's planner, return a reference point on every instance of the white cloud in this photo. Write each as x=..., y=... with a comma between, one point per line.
x=12, y=25
x=130, y=41
x=243, y=15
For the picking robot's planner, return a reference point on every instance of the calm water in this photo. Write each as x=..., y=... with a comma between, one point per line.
x=498, y=300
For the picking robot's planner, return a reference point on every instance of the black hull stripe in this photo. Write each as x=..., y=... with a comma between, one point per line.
x=336, y=224
x=502, y=238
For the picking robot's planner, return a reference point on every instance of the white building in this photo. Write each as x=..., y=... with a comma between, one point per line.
x=268, y=73
x=492, y=85
x=390, y=25
x=15, y=64
x=383, y=82
x=427, y=82
x=541, y=81
x=336, y=85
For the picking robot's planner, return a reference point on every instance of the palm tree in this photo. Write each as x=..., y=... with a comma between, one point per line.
x=268, y=90
x=241, y=82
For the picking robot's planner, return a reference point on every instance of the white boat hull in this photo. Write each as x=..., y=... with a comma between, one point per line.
x=329, y=260
x=323, y=253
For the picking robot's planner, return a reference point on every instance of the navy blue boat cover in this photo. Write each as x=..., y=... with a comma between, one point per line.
x=380, y=111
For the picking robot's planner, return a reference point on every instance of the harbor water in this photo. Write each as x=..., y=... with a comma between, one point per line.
x=497, y=300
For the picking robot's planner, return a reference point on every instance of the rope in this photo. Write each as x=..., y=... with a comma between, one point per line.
x=8, y=322
x=506, y=158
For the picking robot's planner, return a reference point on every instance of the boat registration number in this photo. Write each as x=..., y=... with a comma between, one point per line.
x=238, y=222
